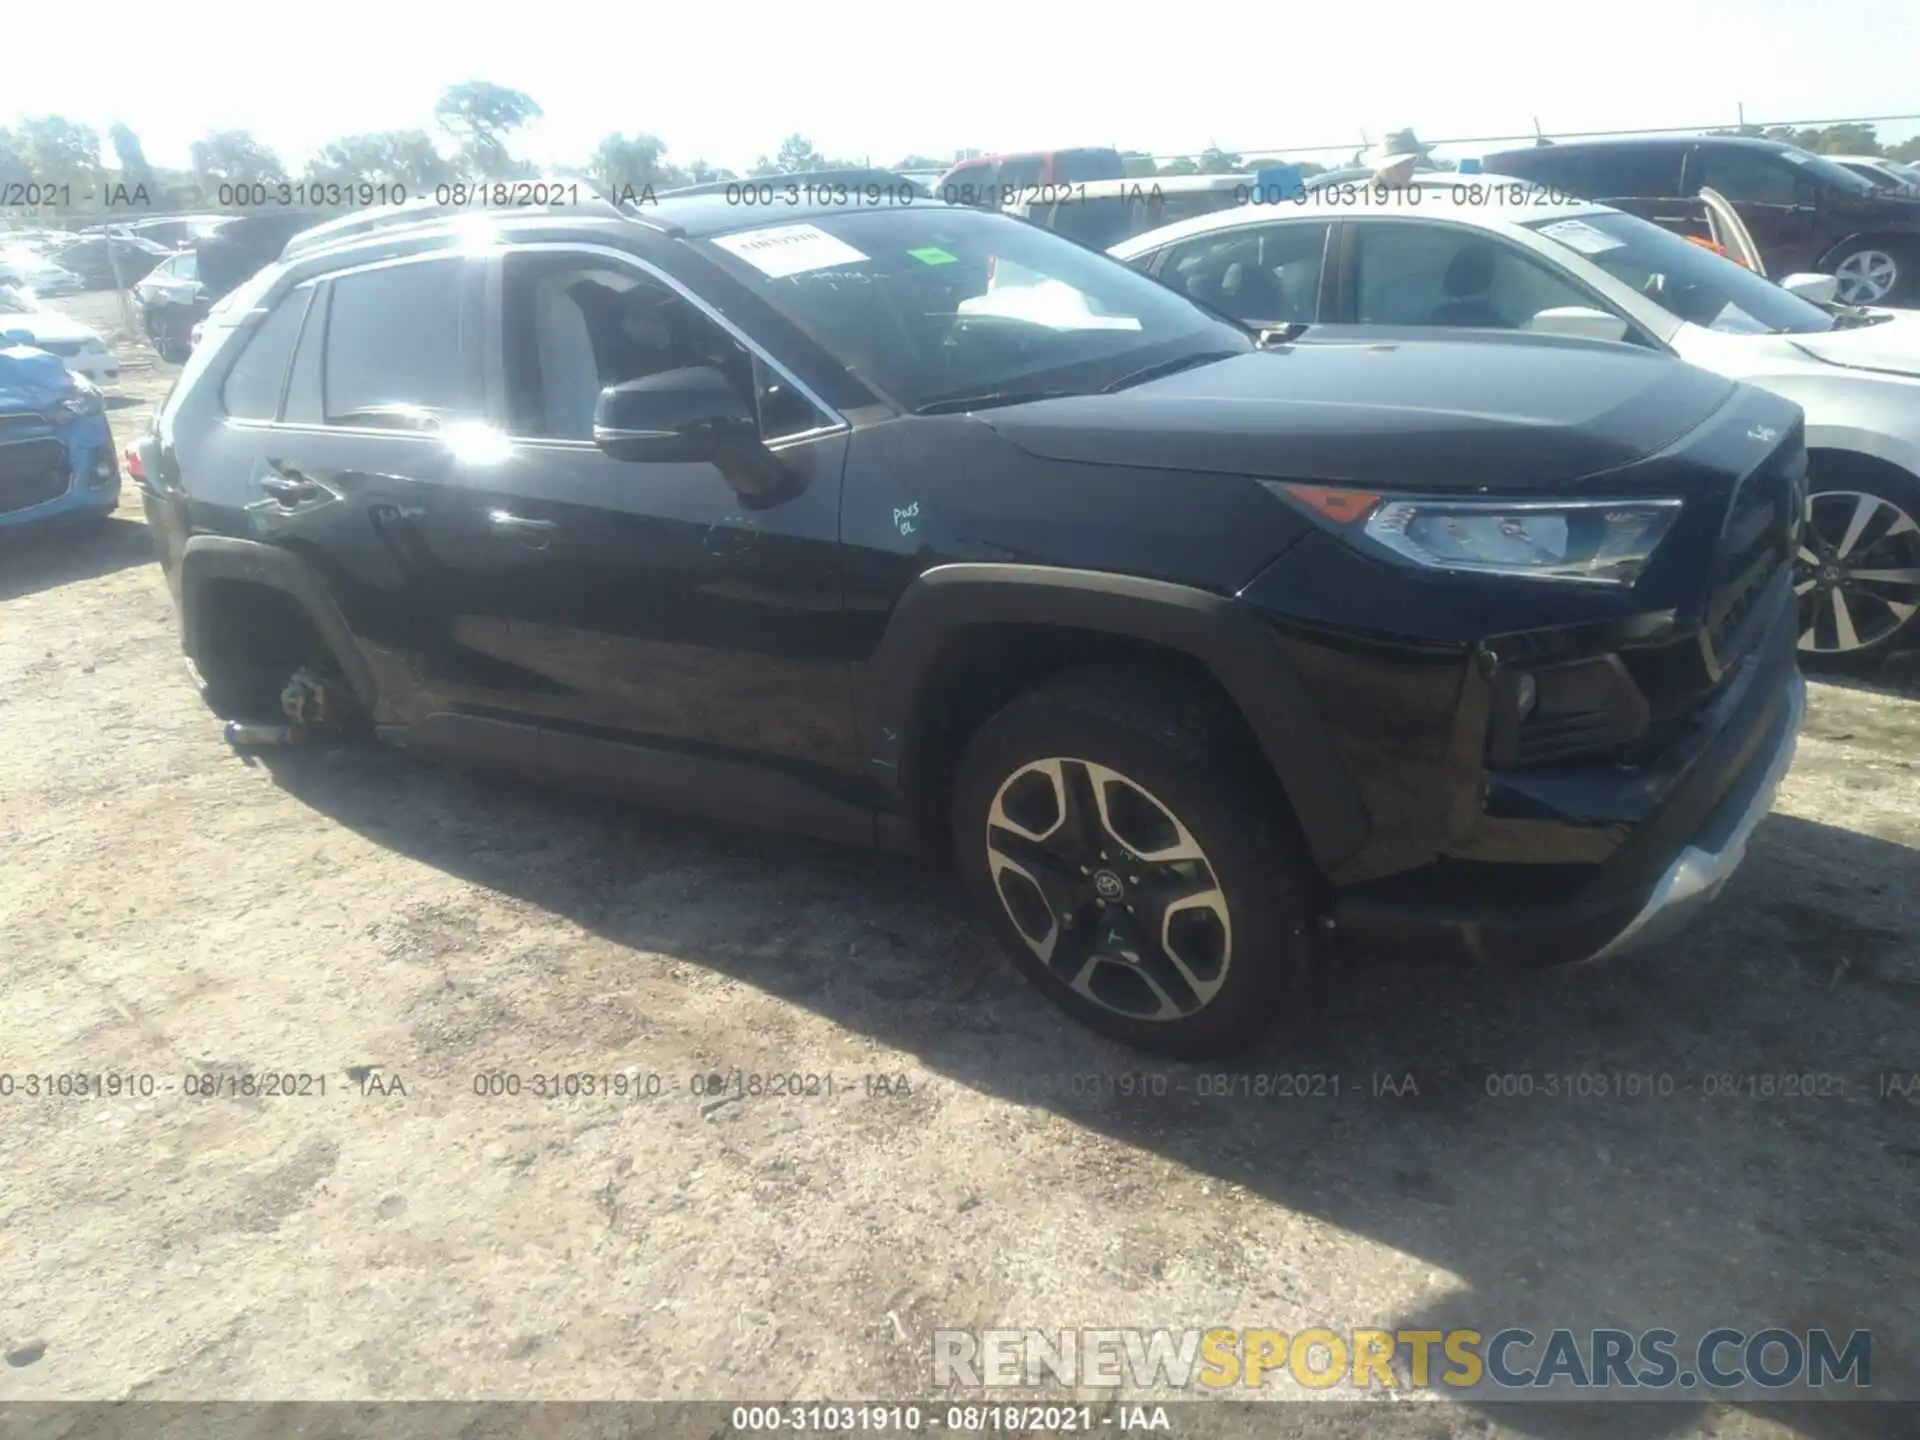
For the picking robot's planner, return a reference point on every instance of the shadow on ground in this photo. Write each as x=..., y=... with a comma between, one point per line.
x=39, y=557
x=1705, y=1196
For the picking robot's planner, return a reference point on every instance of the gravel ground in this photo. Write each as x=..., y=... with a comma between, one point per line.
x=170, y=909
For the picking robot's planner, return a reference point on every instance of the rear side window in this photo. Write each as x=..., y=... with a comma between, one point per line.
x=1261, y=274
x=253, y=386
x=1560, y=169
x=1071, y=167
x=403, y=343
x=1758, y=177
x=1633, y=171
x=1020, y=174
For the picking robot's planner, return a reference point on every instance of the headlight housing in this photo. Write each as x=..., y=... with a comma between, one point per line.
x=1595, y=542
x=81, y=400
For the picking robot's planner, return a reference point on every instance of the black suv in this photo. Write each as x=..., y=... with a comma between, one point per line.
x=1804, y=211
x=918, y=526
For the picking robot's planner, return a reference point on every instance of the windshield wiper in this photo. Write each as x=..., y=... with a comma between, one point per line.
x=959, y=404
x=1169, y=367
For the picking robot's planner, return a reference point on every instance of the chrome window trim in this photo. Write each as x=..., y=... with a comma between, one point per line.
x=626, y=258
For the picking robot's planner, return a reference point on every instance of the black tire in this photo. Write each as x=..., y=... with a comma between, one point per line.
x=1888, y=542
x=1192, y=758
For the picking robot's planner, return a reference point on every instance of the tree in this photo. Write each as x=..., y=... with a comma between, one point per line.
x=1137, y=164
x=701, y=173
x=1846, y=139
x=921, y=162
x=233, y=157
x=406, y=158
x=624, y=162
x=1215, y=161
x=479, y=115
x=1907, y=150
x=1182, y=166
x=59, y=150
x=796, y=154
x=134, y=169
x=16, y=166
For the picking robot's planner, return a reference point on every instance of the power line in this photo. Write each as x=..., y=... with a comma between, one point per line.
x=1563, y=135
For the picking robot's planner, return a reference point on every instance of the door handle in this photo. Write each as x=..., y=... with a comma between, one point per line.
x=536, y=534
x=289, y=486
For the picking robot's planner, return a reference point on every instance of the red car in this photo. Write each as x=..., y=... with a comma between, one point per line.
x=989, y=182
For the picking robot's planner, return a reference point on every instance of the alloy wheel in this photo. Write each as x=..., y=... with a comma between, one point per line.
x=1109, y=889
x=1866, y=277
x=1857, y=572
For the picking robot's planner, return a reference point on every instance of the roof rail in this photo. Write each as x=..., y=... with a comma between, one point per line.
x=572, y=197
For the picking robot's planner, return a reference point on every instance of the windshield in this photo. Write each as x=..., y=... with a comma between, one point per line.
x=1831, y=172
x=1685, y=279
x=936, y=303
x=11, y=303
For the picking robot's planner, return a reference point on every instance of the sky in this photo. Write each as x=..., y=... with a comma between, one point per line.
x=726, y=82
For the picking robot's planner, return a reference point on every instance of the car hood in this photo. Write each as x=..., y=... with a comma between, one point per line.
x=46, y=325
x=1892, y=345
x=1498, y=411
x=31, y=379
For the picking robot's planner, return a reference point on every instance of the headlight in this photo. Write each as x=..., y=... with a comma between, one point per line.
x=1603, y=542
x=81, y=401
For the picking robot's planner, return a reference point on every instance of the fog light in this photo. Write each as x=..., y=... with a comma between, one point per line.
x=1525, y=692
x=104, y=471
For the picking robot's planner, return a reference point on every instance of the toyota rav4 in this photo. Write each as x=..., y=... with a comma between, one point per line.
x=914, y=525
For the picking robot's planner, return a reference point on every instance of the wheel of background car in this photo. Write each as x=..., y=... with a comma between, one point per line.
x=1136, y=865
x=1858, y=570
x=1869, y=275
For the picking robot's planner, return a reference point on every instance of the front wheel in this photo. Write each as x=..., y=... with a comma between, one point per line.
x=1872, y=273
x=1858, y=569
x=1131, y=853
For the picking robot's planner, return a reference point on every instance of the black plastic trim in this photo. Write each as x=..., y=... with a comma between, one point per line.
x=207, y=558
x=672, y=779
x=1225, y=635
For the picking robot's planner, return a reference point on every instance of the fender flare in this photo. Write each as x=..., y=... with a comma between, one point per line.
x=1223, y=634
x=208, y=558
x=1905, y=240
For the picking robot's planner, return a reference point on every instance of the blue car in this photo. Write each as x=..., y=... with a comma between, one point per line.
x=56, y=449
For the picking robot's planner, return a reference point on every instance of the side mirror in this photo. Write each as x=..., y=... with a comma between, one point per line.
x=677, y=415
x=1820, y=289
x=1581, y=320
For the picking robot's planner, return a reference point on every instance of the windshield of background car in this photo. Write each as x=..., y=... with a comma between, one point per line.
x=938, y=302
x=1685, y=279
x=1830, y=172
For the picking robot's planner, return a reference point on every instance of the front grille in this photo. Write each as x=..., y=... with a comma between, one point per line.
x=18, y=424
x=1560, y=737
x=32, y=472
x=1756, y=543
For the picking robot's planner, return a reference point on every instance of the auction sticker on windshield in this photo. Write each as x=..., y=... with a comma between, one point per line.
x=789, y=249
x=1578, y=235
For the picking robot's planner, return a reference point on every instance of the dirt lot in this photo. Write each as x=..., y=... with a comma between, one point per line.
x=168, y=909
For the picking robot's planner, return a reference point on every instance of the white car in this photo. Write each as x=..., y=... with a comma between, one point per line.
x=27, y=268
x=1891, y=174
x=82, y=349
x=1465, y=252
